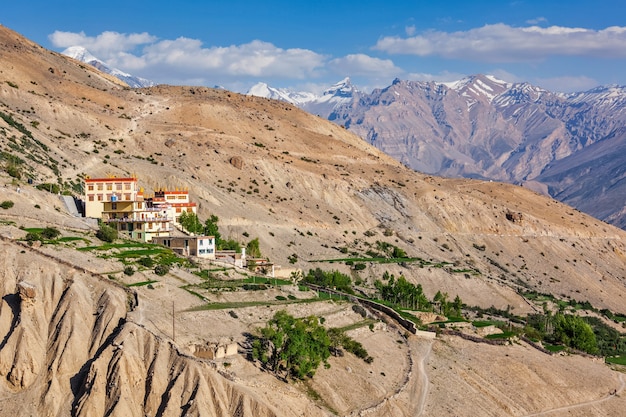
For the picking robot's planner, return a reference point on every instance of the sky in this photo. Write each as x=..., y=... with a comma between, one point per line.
x=563, y=46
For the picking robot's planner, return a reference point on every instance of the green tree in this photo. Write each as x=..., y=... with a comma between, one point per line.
x=457, y=305
x=229, y=244
x=253, y=249
x=190, y=222
x=292, y=347
x=573, y=331
x=106, y=233
x=211, y=229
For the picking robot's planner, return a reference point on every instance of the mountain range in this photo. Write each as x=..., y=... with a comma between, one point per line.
x=568, y=146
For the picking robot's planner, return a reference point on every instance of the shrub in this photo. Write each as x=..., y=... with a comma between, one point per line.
x=161, y=270
x=359, y=266
x=106, y=233
x=50, y=233
x=31, y=237
x=6, y=204
x=13, y=171
x=146, y=261
x=129, y=270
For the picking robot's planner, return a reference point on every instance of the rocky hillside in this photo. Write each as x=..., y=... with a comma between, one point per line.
x=481, y=127
x=75, y=340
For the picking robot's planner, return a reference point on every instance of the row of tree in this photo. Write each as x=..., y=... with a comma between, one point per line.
x=401, y=293
x=329, y=279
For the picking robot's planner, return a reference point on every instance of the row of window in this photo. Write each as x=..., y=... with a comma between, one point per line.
x=109, y=187
x=100, y=197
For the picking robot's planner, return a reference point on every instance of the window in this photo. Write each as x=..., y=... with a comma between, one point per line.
x=118, y=186
x=139, y=235
x=90, y=187
x=99, y=187
x=113, y=206
x=109, y=187
x=99, y=197
x=127, y=186
x=177, y=209
x=91, y=197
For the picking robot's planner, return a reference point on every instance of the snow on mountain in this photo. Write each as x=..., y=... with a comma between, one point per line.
x=294, y=97
x=83, y=55
x=340, y=93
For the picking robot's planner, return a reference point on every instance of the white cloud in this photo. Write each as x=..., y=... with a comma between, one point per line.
x=410, y=30
x=106, y=44
x=364, y=65
x=187, y=59
x=504, y=43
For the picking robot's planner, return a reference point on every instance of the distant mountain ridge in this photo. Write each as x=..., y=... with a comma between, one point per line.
x=483, y=127
x=341, y=93
x=81, y=54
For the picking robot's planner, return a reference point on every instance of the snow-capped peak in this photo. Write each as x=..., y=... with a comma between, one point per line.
x=80, y=54
x=294, y=97
x=83, y=55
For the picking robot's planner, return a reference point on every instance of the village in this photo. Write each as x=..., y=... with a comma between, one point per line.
x=121, y=203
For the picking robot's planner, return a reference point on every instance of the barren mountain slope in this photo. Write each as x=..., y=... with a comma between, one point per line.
x=303, y=186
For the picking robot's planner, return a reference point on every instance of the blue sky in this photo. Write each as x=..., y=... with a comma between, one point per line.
x=559, y=45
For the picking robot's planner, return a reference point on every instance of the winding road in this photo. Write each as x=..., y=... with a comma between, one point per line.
x=584, y=404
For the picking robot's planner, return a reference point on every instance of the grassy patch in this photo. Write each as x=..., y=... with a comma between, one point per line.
x=142, y=283
x=266, y=281
x=357, y=325
x=554, y=348
x=244, y=304
x=503, y=335
x=617, y=360
x=485, y=323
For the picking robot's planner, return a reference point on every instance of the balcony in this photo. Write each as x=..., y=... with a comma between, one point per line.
x=133, y=219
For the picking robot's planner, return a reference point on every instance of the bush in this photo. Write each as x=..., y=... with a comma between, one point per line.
x=106, y=233
x=161, y=270
x=146, y=261
x=31, y=237
x=50, y=233
x=6, y=204
x=13, y=171
x=129, y=270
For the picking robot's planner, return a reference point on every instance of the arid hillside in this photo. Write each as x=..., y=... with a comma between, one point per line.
x=75, y=339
